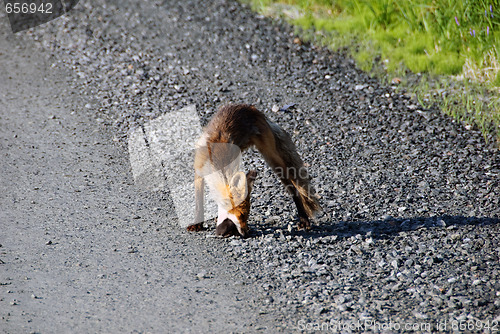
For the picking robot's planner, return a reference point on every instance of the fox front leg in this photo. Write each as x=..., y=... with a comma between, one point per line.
x=199, y=187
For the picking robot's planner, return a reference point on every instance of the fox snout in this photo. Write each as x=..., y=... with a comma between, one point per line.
x=227, y=228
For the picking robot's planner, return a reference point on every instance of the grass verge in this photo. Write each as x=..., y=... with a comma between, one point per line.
x=450, y=46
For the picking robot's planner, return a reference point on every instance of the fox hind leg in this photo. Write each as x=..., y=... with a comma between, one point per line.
x=304, y=223
x=279, y=166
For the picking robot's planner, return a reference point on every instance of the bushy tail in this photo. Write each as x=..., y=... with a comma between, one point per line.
x=295, y=171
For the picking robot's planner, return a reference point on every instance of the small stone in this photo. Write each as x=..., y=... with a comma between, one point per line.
x=235, y=242
x=321, y=310
x=441, y=223
x=202, y=275
x=341, y=307
x=420, y=315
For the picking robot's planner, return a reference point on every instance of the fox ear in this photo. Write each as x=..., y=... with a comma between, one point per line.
x=239, y=187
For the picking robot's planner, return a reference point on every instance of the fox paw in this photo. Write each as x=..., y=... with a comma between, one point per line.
x=304, y=224
x=195, y=228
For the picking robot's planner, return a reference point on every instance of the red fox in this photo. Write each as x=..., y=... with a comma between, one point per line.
x=233, y=129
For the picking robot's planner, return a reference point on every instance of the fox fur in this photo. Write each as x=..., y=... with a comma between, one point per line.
x=232, y=130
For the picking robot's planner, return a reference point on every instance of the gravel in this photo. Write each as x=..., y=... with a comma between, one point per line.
x=410, y=229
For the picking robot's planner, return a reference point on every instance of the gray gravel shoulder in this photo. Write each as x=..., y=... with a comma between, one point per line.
x=411, y=224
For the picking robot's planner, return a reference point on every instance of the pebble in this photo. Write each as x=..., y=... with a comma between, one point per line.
x=202, y=275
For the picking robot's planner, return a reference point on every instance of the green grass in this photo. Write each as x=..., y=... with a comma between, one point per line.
x=453, y=41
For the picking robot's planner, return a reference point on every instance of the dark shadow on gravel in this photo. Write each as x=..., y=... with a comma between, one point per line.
x=379, y=229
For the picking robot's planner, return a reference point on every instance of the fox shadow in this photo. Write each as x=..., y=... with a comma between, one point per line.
x=376, y=229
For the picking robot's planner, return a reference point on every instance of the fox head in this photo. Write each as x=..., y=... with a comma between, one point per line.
x=232, y=219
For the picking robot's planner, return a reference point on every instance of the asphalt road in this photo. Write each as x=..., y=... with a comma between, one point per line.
x=82, y=250
x=410, y=230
